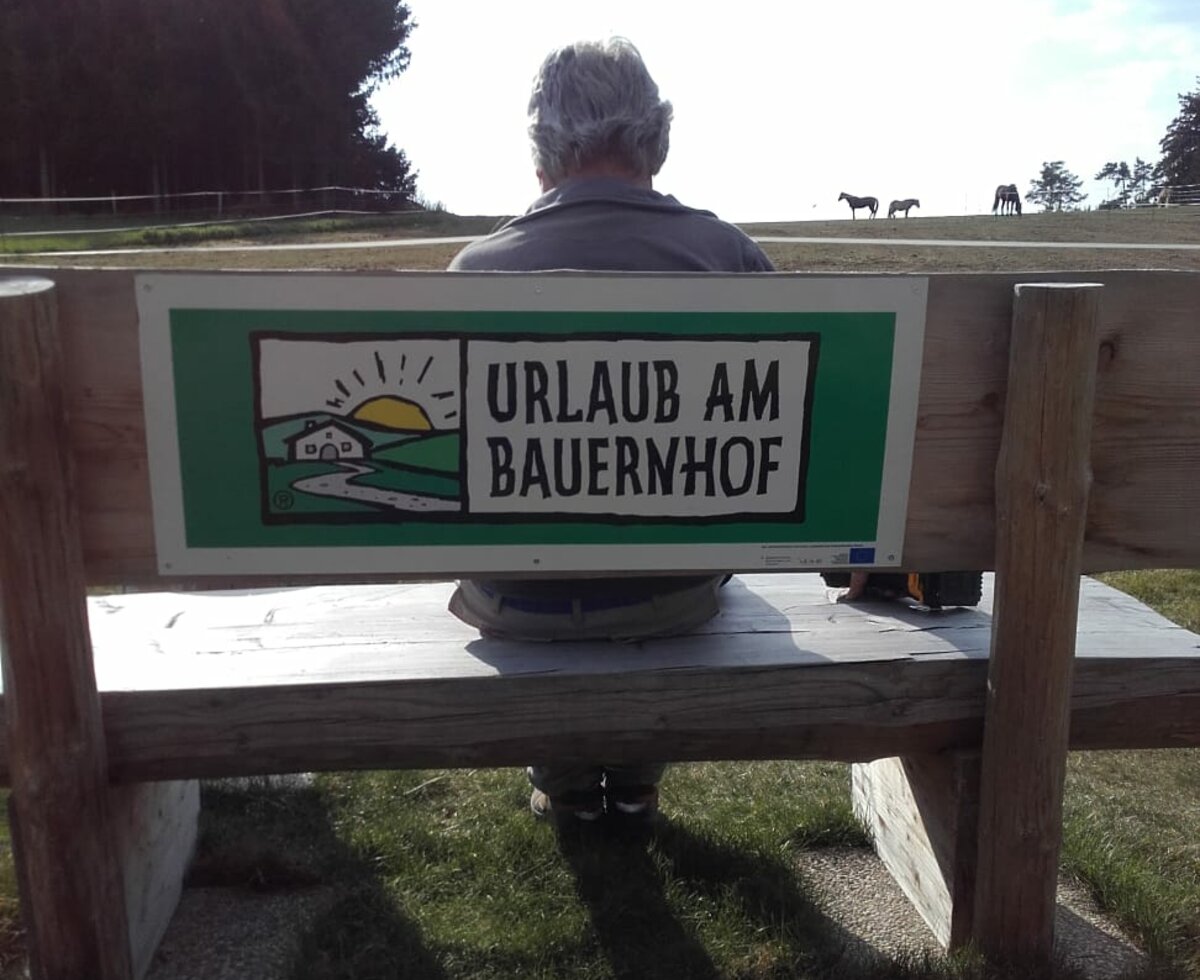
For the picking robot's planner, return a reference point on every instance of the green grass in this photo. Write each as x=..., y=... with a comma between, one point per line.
x=1132, y=819
x=12, y=932
x=1175, y=593
x=443, y=874
x=333, y=228
x=1131, y=832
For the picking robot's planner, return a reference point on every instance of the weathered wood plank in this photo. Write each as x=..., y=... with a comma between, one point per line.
x=1146, y=433
x=156, y=827
x=1146, y=444
x=65, y=845
x=848, y=712
x=381, y=688
x=402, y=632
x=923, y=813
x=1042, y=480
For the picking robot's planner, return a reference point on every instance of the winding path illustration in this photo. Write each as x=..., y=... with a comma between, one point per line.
x=339, y=485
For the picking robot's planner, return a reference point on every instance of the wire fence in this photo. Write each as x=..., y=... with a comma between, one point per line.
x=1172, y=196
x=28, y=216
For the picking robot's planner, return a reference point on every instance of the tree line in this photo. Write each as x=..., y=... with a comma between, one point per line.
x=1057, y=189
x=170, y=96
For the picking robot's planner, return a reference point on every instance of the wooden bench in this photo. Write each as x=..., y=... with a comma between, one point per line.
x=961, y=722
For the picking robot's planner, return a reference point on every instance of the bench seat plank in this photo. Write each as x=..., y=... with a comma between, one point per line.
x=161, y=641
x=362, y=676
x=360, y=633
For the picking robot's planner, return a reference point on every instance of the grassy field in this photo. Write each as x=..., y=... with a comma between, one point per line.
x=444, y=875
x=413, y=224
x=1146, y=226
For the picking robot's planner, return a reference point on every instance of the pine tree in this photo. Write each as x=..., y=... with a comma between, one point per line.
x=1180, y=163
x=1120, y=175
x=1141, y=181
x=137, y=96
x=1057, y=189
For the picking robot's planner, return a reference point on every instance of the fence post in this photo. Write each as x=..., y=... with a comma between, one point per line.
x=1043, y=476
x=72, y=897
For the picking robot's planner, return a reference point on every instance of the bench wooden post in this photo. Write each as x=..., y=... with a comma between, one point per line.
x=72, y=896
x=1043, y=476
x=922, y=812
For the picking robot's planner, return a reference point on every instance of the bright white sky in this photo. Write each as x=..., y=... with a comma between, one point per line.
x=779, y=106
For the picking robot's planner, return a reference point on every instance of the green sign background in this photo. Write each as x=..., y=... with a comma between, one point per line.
x=219, y=456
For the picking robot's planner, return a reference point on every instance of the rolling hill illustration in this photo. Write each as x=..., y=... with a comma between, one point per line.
x=383, y=456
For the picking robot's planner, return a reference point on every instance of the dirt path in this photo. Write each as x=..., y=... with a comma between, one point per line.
x=339, y=485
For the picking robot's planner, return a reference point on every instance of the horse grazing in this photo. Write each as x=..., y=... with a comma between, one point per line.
x=908, y=202
x=1008, y=201
x=870, y=203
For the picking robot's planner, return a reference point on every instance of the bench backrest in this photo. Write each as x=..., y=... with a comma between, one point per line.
x=1145, y=440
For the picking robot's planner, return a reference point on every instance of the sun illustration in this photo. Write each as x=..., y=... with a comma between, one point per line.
x=426, y=371
x=393, y=413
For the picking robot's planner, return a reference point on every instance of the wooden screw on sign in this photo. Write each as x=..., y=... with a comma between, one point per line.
x=1043, y=475
x=72, y=896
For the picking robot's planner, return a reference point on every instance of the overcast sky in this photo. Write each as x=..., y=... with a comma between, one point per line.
x=781, y=106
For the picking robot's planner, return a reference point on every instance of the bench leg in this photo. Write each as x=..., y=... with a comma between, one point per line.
x=156, y=826
x=1043, y=476
x=59, y=807
x=922, y=813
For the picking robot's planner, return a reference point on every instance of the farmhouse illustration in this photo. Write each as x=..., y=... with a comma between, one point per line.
x=330, y=441
x=365, y=429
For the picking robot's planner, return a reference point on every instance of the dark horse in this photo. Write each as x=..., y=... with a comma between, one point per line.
x=1008, y=201
x=908, y=202
x=870, y=203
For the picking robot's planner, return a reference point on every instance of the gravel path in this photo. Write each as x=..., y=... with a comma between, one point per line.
x=858, y=893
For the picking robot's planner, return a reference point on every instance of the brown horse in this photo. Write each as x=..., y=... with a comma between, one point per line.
x=870, y=203
x=1008, y=200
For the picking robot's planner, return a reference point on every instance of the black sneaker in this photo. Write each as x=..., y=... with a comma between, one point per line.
x=632, y=804
x=586, y=806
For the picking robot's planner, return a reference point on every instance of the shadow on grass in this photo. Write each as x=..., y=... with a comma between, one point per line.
x=671, y=902
x=256, y=835
x=768, y=892
x=623, y=879
x=628, y=881
x=618, y=881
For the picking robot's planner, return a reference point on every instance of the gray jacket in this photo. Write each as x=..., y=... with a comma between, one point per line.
x=604, y=224
x=607, y=224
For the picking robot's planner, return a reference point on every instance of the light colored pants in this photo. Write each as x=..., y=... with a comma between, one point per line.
x=523, y=611
x=579, y=610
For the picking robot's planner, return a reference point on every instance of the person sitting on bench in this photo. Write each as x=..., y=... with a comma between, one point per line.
x=600, y=135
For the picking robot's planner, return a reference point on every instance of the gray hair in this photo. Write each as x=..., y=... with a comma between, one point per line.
x=594, y=101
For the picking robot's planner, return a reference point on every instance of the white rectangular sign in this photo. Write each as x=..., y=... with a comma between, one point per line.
x=457, y=424
x=632, y=427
